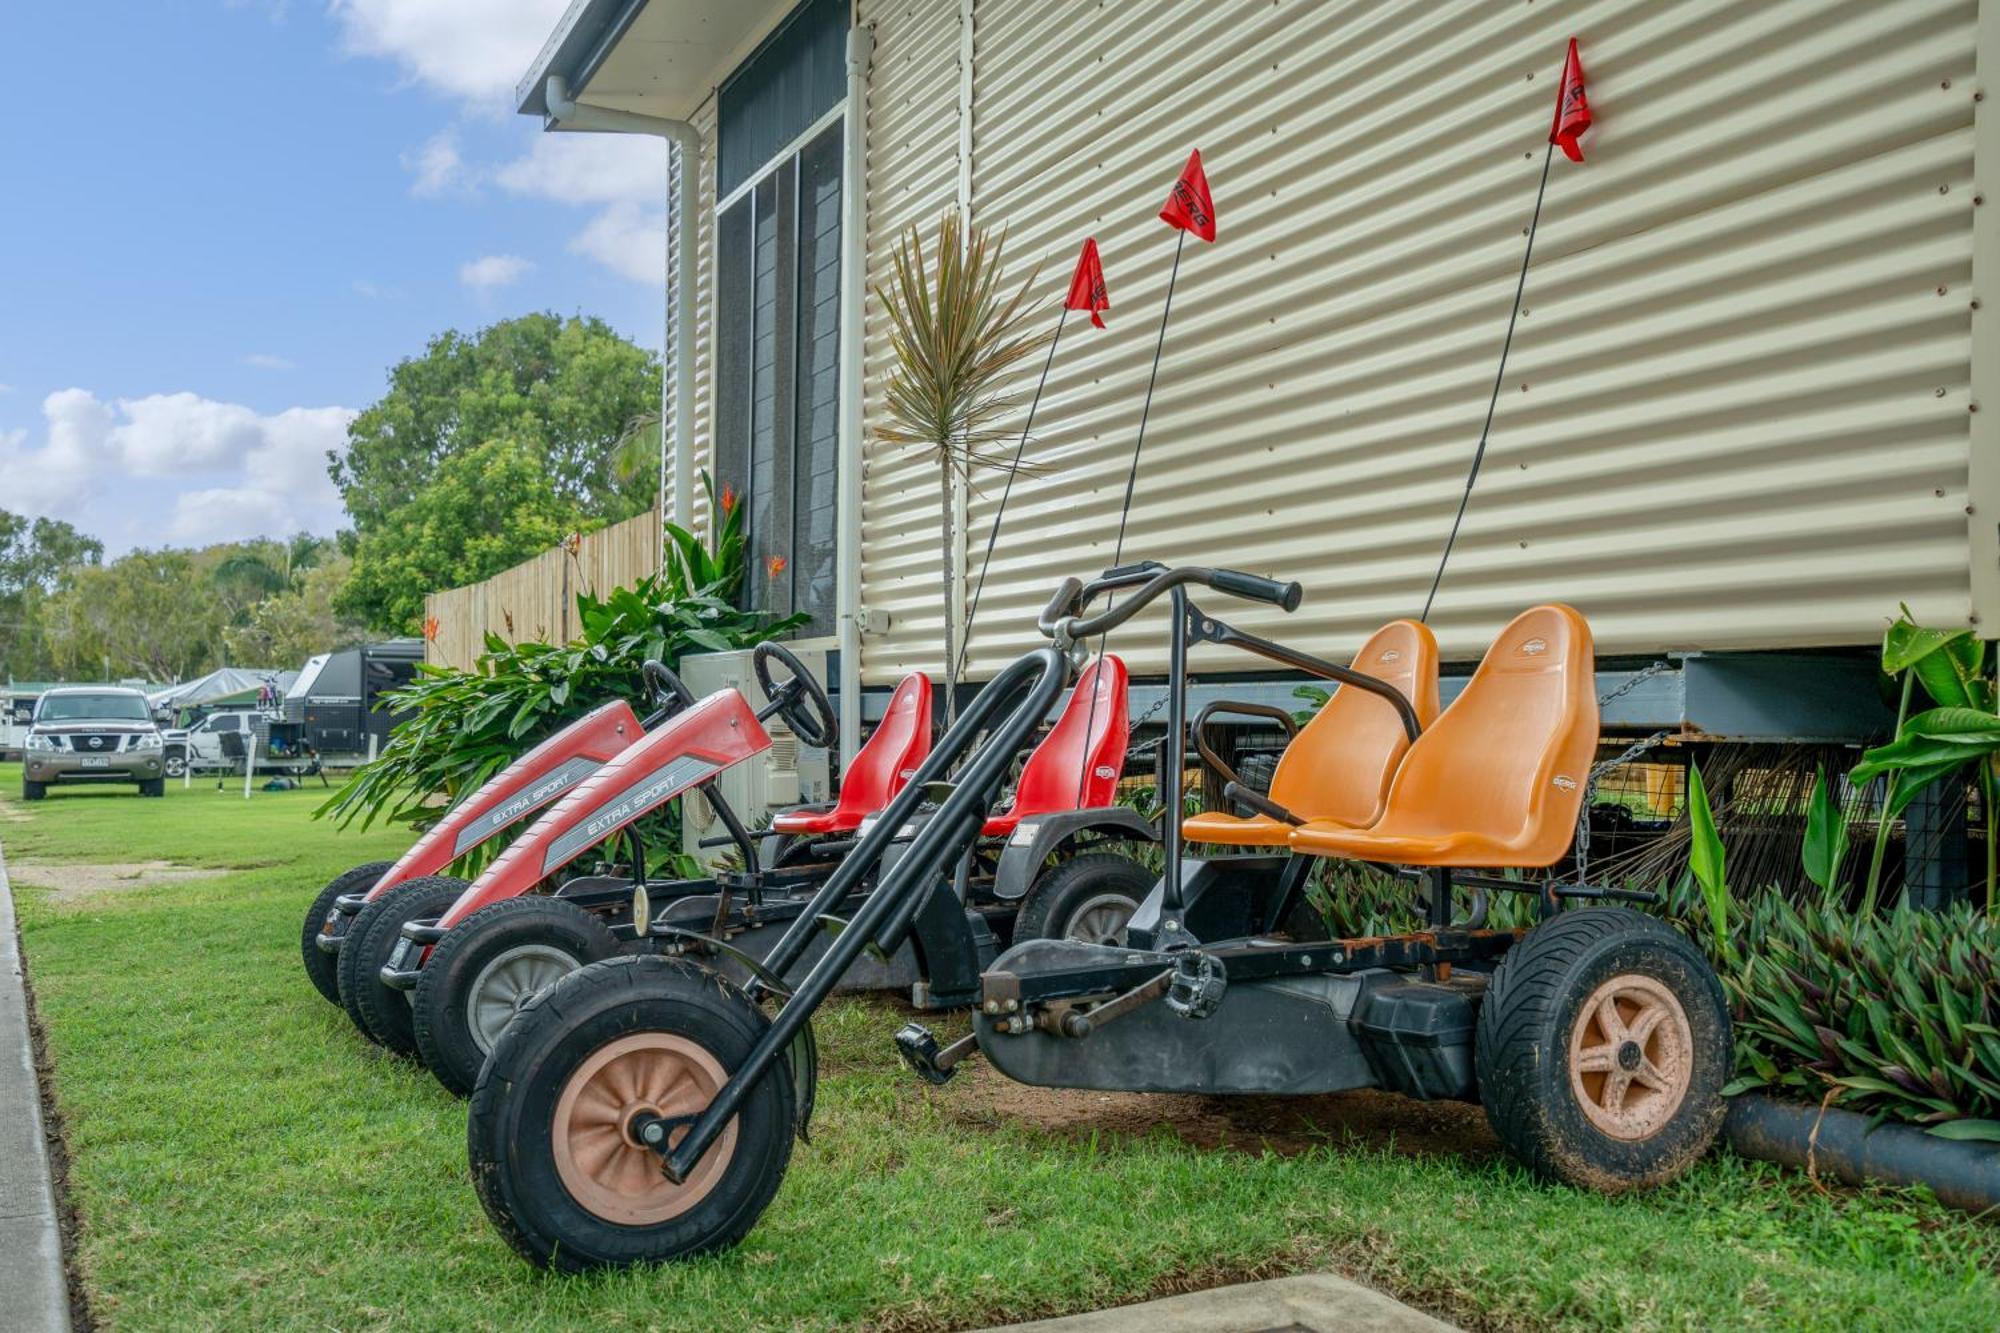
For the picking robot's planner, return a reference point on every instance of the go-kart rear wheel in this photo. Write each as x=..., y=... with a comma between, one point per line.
x=1089, y=897
x=381, y=1014
x=322, y=920
x=550, y=1135
x=1602, y=1048
x=486, y=970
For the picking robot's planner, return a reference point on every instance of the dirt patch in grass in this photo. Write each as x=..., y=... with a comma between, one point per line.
x=72, y=881
x=1283, y=1125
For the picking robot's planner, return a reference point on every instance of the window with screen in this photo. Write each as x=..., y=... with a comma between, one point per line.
x=777, y=311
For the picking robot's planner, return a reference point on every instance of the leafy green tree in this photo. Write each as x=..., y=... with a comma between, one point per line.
x=570, y=389
x=155, y=614
x=484, y=509
x=289, y=626
x=36, y=555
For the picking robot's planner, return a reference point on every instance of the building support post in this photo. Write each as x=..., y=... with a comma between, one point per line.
x=853, y=292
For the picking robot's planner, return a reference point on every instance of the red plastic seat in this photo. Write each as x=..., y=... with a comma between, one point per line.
x=880, y=768
x=1049, y=780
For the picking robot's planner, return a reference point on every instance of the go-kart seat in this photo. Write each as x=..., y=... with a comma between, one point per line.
x=1337, y=769
x=1498, y=779
x=901, y=741
x=1049, y=778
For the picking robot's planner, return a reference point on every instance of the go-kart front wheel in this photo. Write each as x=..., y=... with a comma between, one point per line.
x=484, y=972
x=551, y=1136
x=380, y=1014
x=322, y=921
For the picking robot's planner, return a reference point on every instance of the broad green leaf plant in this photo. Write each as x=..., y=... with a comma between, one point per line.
x=1960, y=735
x=468, y=725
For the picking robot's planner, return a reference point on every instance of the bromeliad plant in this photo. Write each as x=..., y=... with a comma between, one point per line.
x=468, y=725
x=1960, y=736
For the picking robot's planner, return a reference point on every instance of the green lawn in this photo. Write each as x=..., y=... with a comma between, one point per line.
x=241, y=1159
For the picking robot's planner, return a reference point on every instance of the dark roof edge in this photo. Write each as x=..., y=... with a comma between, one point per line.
x=582, y=38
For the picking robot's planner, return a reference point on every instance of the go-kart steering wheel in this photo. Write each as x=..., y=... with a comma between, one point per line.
x=800, y=700
x=669, y=695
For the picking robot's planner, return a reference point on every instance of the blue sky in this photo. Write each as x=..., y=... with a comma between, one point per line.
x=226, y=219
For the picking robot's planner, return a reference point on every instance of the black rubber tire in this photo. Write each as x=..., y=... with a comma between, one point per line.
x=380, y=1014
x=445, y=1037
x=153, y=787
x=33, y=791
x=508, y=1130
x=1054, y=898
x=1522, y=1048
x=321, y=968
x=174, y=762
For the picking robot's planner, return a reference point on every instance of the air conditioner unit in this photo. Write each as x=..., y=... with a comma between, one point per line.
x=788, y=774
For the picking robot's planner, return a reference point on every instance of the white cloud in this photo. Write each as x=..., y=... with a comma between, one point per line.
x=474, y=50
x=269, y=361
x=216, y=470
x=375, y=291
x=493, y=272
x=6, y=389
x=629, y=241
x=437, y=167
x=589, y=169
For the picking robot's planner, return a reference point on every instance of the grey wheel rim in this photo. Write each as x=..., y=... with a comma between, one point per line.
x=1100, y=919
x=508, y=982
x=176, y=766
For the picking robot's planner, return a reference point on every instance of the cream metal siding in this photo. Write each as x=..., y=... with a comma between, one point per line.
x=1736, y=414
x=704, y=360
x=913, y=100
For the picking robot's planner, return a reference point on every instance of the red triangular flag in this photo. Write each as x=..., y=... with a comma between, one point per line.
x=1189, y=206
x=1086, y=286
x=1572, y=108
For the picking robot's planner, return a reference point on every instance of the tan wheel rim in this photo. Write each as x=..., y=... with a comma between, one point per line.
x=1631, y=1056
x=604, y=1168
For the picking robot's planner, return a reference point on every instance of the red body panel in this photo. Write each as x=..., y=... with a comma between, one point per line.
x=1050, y=778
x=691, y=747
x=558, y=765
x=901, y=741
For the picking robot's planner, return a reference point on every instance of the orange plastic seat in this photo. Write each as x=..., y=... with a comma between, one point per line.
x=900, y=742
x=1498, y=780
x=1071, y=770
x=1337, y=769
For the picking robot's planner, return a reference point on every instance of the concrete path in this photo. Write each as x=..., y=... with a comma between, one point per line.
x=31, y=1268
x=1315, y=1303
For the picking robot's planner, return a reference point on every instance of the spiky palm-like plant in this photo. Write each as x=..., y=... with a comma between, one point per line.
x=956, y=333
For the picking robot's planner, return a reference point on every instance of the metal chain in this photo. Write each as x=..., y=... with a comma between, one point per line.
x=1638, y=678
x=1597, y=771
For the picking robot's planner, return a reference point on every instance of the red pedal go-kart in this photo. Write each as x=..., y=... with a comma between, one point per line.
x=343, y=911
x=469, y=956
x=643, y=1108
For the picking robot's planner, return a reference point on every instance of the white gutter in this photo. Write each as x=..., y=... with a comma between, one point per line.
x=567, y=114
x=853, y=291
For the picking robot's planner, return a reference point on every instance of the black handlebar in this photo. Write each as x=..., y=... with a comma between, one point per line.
x=1063, y=617
x=1257, y=588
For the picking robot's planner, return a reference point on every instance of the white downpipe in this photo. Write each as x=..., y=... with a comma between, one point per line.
x=853, y=291
x=566, y=113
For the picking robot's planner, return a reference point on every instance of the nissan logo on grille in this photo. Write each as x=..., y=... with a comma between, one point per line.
x=97, y=742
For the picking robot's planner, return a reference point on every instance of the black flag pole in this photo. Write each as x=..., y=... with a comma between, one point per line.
x=1572, y=118
x=1493, y=402
x=1013, y=467
x=1131, y=478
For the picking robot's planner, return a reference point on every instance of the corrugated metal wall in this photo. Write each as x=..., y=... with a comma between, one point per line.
x=912, y=178
x=704, y=362
x=1736, y=411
